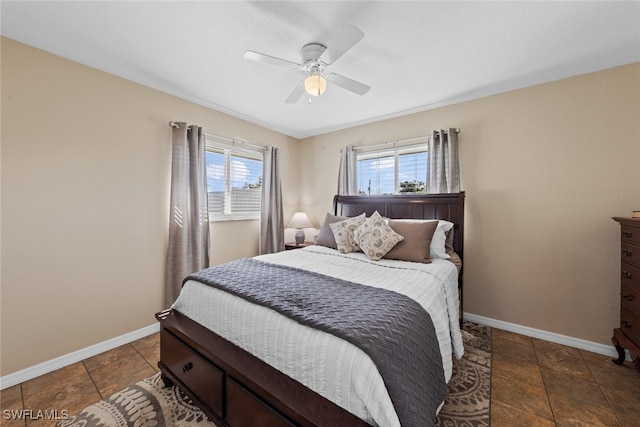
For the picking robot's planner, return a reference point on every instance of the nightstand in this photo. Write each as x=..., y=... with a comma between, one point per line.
x=292, y=245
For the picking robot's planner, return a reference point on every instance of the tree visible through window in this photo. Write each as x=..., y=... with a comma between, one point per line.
x=395, y=171
x=234, y=181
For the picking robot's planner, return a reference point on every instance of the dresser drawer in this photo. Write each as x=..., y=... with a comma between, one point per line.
x=630, y=275
x=630, y=299
x=630, y=325
x=630, y=253
x=197, y=373
x=630, y=234
x=245, y=409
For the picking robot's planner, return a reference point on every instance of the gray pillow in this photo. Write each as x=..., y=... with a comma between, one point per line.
x=325, y=235
x=417, y=240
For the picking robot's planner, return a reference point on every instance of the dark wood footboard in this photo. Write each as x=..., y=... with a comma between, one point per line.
x=235, y=388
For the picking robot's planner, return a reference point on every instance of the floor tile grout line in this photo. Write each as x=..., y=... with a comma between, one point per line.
x=22, y=401
x=101, y=392
x=143, y=358
x=93, y=381
x=609, y=403
x=537, y=364
x=544, y=383
x=602, y=391
x=493, y=352
x=599, y=385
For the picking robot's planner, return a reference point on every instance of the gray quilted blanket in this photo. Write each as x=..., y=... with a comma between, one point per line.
x=391, y=328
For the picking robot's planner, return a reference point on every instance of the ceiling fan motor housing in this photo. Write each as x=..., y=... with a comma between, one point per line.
x=312, y=51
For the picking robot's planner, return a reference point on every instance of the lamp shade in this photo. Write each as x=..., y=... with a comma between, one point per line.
x=315, y=84
x=300, y=220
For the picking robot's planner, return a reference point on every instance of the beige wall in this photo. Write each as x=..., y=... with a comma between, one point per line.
x=85, y=174
x=544, y=170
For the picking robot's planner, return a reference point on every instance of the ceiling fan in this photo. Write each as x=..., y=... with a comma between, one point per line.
x=316, y=57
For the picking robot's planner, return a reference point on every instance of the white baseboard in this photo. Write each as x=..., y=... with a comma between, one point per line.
x=76, y=356
x=607, y=350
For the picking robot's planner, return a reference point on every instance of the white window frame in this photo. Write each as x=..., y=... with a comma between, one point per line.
x=363, y=153
x=228, y=150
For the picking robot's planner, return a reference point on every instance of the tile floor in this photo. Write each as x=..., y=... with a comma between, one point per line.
x=538, y=383
x=534, y=383
x=77, y=386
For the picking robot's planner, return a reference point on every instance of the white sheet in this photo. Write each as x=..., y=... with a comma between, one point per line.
x=333, y=368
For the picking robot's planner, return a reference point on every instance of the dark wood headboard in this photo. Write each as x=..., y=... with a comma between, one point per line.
x=448, y=207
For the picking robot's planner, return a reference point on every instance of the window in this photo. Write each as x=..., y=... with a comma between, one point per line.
x=392, y=171
x=234, y=181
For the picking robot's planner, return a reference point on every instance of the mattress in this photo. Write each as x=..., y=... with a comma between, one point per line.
x=333, y=368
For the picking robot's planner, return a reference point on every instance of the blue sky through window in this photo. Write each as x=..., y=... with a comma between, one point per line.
x=377, y=175
x=243, y=170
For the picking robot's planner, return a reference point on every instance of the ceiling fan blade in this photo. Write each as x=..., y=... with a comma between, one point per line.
x=296, y=94
x=341, y=44
x=261, y=57
x=349, y=84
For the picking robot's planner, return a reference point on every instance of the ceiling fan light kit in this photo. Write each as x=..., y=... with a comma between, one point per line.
x=315, y=84
x=315, y=58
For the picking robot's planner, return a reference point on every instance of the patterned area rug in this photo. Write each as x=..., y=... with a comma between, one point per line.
x=469, y=391
x=148, y=404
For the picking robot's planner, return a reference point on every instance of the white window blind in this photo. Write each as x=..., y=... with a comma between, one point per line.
x=394, y=170
x=234, y=181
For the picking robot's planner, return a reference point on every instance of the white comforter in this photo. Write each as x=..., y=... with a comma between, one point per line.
x=330, y=366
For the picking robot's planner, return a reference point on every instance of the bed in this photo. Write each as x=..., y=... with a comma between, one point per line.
x=237, y=360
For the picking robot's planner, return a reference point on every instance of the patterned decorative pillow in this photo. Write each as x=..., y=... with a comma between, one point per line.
x=325, y=235
x=375, y=237
x=343, y=233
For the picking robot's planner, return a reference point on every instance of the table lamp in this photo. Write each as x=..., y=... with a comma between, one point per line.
x=300, y=220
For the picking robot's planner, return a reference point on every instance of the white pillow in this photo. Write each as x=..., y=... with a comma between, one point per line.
x=437, y=248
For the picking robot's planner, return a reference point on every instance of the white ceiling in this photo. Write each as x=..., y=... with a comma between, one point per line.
x=415, y=55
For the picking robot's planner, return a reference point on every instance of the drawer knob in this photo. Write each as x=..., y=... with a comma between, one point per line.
x=186, y=368
x=628, y=234
x=626, y=324
x=626, y=275
x=627, y=253
x=628, y=297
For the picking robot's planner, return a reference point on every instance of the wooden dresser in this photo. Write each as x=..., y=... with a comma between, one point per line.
x=628, y=334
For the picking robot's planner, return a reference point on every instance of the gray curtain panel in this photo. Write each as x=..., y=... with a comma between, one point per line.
x=271, y=217
x=347, y=174
x=443, y=168
x=188, y=250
